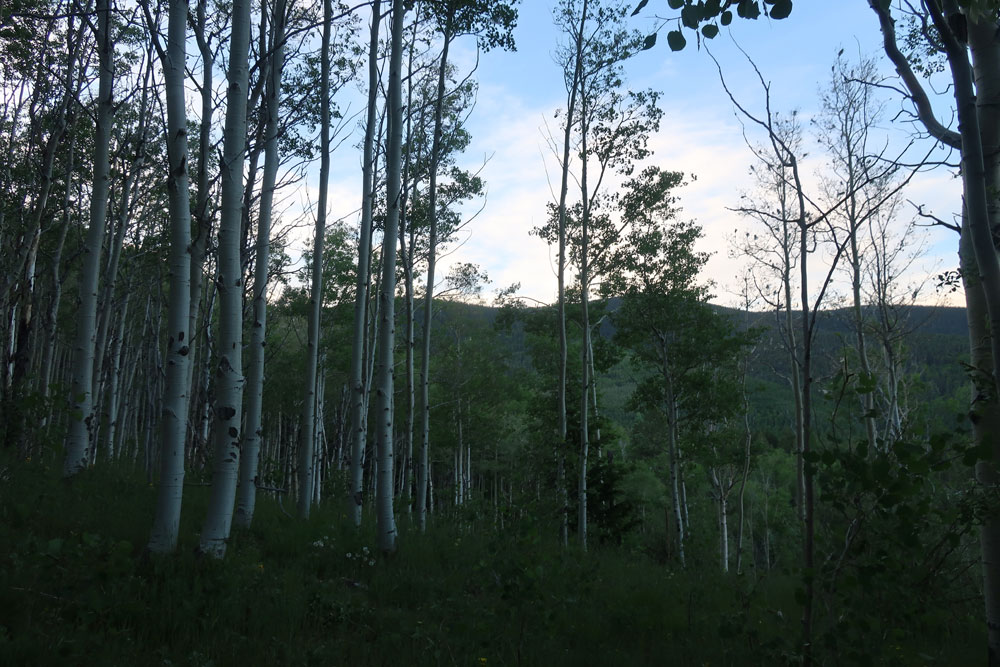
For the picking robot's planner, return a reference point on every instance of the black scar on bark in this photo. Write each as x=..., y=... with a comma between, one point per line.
x=226, y=413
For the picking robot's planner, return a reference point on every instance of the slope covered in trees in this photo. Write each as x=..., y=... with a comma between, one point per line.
x=225, y=438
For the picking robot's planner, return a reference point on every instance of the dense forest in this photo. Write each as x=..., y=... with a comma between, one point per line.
x=223, y=445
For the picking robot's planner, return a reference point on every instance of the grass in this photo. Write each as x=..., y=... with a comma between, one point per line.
x=77, y=587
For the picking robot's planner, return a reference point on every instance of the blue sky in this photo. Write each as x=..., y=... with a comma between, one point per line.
x=520, y=92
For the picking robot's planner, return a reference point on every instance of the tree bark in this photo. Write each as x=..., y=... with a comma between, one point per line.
x=249, y=462
x=229, y=370
x=386, y=522
x=179, y=340
x=81, y=424
x=307, y=443
x=359, y=386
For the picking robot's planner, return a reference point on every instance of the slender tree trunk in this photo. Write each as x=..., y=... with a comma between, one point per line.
x=229, y=371
x=675, y=495
x=114, y=382
x=247, y=493
x=106, y=308
x=82, y=420
x=747, y=441
x=561, y=443
x=386, y=522
x=805, y=367
x=425, y=356
x=179, y=341
x=721, y=497
x=202, y=214
x=860, y=339
x=581, y=527
x=359, y=386
x=307, y=444
x=53, y=311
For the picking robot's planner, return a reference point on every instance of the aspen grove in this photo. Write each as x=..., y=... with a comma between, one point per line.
x=343, y=333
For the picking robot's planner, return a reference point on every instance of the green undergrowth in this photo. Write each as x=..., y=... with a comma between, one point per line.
x=76, y=587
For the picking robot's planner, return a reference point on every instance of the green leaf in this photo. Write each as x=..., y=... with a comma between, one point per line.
x=726, y=18
x=675, y=4
x=710, y=30
x=781, y=9
x=649, y=42
x=638, y=8
x=676, y=40
x=691, y=16
x=748, y=9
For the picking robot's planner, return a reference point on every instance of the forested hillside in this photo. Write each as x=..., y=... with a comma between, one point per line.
x=239, y=428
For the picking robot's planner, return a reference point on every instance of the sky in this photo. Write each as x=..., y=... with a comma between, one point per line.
x=520, y=92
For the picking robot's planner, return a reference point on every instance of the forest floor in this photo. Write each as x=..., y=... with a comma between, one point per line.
x=77, y=587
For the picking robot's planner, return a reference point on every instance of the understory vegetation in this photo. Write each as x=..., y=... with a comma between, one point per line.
x=78, y=587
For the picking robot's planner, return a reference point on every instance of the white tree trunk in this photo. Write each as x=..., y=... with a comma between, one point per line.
x=724, y=531
x=359, y=387
x=179, y=340
x=247, y=492
x=229, y=369
x=78, y=439
x=307, y=444
x=114, y=390
x=385, y=518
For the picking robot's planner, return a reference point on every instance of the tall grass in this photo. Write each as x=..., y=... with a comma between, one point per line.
x=77, y=587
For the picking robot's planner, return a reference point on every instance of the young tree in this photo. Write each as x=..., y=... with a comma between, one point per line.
x=359, y=388
x=492, y=22
x=306, y=442
x=665, y=321
x=609, y=129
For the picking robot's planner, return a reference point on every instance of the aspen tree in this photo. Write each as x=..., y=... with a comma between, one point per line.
x=383, y=384
x=247, y=493
x=610, y=130
x=491, y=23
x=202, y=215
x=179, y=340
x=572, y=82
x=448, y=31
x=229, y=366
x=78, y=440
x=307, y=441
x=359, y=386
x=977, y=93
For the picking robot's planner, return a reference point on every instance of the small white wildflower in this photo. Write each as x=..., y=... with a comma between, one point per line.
x=371, y=562
x=365, y=550
x=350, y=555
